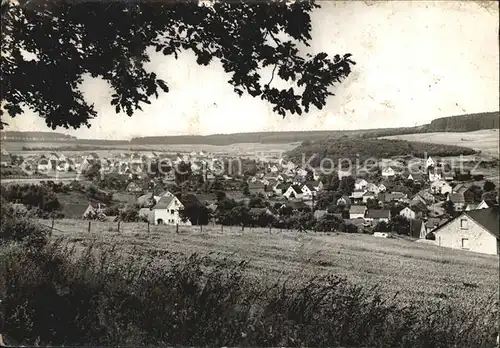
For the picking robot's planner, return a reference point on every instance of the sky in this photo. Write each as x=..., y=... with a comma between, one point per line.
x=416, y=61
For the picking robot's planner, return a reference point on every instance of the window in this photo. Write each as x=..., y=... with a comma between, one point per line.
x=463, y=224
x=465, y=243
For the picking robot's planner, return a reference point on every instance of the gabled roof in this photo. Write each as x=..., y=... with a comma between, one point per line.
x=378, y=213
x=164, y=202
x=434, y=222
x=490, y=202
x=368, y=193
x=487, y=218
x=357, y=209
x=457, y=197
x=359, y=180
x=296, y=188
x=309, y=186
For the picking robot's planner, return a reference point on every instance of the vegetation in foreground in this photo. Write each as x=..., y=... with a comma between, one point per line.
x=54, y=294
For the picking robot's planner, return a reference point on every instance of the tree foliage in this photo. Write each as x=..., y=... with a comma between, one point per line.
x=114, y=40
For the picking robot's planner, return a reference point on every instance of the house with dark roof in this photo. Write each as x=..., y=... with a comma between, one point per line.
x=357, y=196
x=378, y=215
x=256, y=187
x=475, y=230
x=357, y=211
x=293, y=191
x=458, y=200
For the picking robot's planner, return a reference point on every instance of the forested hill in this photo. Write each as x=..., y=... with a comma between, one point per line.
x=339, y=149
x=464, y=123
x=36, y=136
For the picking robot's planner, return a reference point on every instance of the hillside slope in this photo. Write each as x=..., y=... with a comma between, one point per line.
x=349, y=148
x=485, y=140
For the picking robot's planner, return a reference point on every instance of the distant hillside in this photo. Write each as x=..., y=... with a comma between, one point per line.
x=336, y=149
x=34, y=136
x=465, y=123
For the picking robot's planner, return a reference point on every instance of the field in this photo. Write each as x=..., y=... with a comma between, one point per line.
x=416, y=272
x=485, y=141
x=106, y=150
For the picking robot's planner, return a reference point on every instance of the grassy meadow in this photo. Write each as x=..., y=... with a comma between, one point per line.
x=413, y=272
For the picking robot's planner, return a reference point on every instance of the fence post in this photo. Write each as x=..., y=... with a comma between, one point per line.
x=242, y=227
x=221, y=228
x=201, y=228
x=52, y=227
x=89, y=226
x=118, y=225
x=269, y=229
x=176, y=228
x=148, y=226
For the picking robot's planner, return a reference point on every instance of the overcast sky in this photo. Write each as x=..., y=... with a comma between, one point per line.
x=416, y=61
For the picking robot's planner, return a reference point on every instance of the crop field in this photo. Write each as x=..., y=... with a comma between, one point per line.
x=415, y=272
x=485, y=140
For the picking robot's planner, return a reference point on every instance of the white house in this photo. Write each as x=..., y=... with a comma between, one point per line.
x=166, y=211
x=360, y=184
x=486, y=204
x=409, y=213
x=429, y=162
x=475, y=230
x=382, y=188
x=388, y=172
x=435, y=175
x=308, y=191
x=373, y=188
x=441, y=187
x=44, y=165
x=293, y=191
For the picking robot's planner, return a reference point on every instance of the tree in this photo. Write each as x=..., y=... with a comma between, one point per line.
x=93, y=172
x=449, y=208
x=110, y=40
x=347, y=185
x=488, y=186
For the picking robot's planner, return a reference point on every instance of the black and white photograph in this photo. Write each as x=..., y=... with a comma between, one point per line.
x=250, y=173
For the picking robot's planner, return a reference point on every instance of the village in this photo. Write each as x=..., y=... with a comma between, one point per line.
x=433, y=203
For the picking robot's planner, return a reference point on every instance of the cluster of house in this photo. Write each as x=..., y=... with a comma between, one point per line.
x=122, y=163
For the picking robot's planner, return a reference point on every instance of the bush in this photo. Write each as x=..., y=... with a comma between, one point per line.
x=104, y=298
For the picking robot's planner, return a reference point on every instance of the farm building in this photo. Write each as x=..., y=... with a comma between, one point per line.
x=475, y=230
